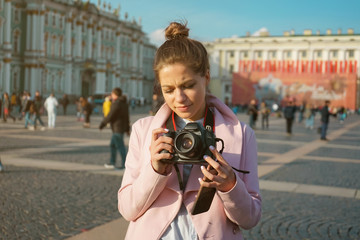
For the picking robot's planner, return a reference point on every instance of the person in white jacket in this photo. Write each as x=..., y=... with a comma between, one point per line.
x=50, y=105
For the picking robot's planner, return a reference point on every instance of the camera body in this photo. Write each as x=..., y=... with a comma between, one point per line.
x=191, y=144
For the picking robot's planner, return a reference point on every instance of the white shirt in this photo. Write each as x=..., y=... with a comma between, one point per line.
x=50, y=104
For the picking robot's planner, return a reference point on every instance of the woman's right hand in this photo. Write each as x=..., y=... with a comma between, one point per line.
x=160, y=142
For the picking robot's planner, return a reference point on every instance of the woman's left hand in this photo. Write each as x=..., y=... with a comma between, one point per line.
x=219, y=174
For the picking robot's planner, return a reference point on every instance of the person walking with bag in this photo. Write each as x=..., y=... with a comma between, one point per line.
x=118, y=117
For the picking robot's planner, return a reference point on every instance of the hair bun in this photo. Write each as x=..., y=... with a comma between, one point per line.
x=176, y=30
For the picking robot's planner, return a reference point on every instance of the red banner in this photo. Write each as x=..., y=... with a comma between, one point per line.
x=339, y=88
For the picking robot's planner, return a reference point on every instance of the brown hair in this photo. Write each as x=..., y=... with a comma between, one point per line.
x=179, y=48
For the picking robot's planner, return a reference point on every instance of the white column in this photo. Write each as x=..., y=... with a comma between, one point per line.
x=28, y=31
x=325, y=58
x=42, y=30
x=134, y=54
x=141, y=56
x=226, y=63
x=7, y=47
x=134, y=66
x=33, y=80
x=140, y=88
x=33, y=30
x=98, y=42
x=117, y=50
x=265, y=58
x=78, y=40
x=68, y=66
x=117, y=66
x=357, y=58
x=295, y=57
x=100, y=64
x=27, y=79
x=89, y=39
x=133, y=87
x=237, y=58
x=215, y=64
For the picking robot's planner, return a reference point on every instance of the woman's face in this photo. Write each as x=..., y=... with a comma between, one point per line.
x=184, y=91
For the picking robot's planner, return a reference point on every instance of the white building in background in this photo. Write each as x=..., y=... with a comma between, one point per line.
x=73, y=47
x=310, y=52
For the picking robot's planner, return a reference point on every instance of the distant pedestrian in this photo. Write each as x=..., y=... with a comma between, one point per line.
x=265, y=112
x=309, y=115
x=1, y=167
x=79, y=109
x=289, y=115
x=1, y=105
x=157, y=101
x=301, y=111
x=28, y=111
x=7, y=108
x=253, y=113
x=23, y=100
x=14, y=102
x=38, y=110
x=87, y=111
x=342, y=114
x=51, y=105
x=118, y=118
x=65, y=103
x=325, y=119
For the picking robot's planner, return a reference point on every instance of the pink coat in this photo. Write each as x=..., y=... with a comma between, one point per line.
x=151, y=201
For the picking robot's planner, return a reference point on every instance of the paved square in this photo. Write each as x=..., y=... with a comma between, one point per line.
x=56, y=187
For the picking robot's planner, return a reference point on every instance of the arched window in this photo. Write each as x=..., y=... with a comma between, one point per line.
x=60, y=81
x=16, y=16
x=61, y=41
x=53, y=45
x=54, y=20
x=73, y=47
x=16, y=39
x=61, y=19
x=46, y=38
x=46, y=19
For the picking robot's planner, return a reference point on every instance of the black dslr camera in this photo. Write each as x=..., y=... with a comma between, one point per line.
x=191, y=144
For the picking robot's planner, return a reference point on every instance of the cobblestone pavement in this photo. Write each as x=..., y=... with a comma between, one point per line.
x=55, y=186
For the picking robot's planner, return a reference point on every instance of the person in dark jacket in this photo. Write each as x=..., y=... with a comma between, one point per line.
x=38, y=108
x=65, y=103
x=289, y=115
x=325, y=115
x=87, y=110
x=118, y=118
x=253, y=113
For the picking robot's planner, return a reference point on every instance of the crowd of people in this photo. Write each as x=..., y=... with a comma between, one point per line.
x=305, y=111
x=24, y=106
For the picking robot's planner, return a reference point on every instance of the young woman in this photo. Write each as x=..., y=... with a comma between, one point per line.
x=150, y=196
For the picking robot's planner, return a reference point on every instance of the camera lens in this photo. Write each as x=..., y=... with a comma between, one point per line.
x=186, y=143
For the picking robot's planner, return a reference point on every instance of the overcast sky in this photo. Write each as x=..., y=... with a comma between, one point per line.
x=212, y=19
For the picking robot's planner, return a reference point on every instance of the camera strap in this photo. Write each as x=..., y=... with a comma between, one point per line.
x=208, y=123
